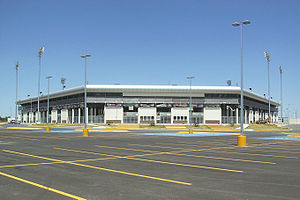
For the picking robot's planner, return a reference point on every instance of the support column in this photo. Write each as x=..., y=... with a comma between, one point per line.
x=79, y=116
x=72, y=122
x=237, y=115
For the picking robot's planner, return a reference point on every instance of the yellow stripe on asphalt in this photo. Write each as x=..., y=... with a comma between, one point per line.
x=252, y=154
x=223, y=158
x=208, y=157
x=42, y=186
x=127, y=149
x=213, y=133
x=104, y=130
x=24, y=128
x=100, y=168
x=156, y=146
x=155, y=161
x=284, y=150
x=21, y=138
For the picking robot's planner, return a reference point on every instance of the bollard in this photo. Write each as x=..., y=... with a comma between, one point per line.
x=47, y=128
x=190, y=131
x=241, y=141
x=85, y=132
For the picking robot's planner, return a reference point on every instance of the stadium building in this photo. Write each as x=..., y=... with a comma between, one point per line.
x=143, y=104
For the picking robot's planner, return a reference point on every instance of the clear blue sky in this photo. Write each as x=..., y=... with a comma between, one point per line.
x=149, y=42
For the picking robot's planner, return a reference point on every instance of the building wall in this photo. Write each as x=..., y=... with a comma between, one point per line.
x=54, y=116
x=64, y=115
x=147, y=112
x=212, y=115
x=113, y=115
x=179, y=112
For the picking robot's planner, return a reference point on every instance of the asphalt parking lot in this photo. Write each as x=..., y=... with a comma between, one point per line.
x=115, y=165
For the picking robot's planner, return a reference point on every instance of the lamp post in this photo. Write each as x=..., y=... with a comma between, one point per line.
x=191, y=128
x=16, y=114
x=48, y=128
x=30, y=107
x=41, y=51
x=85, y=131
x=242, y=138
x=281, y=107
x=267, y=56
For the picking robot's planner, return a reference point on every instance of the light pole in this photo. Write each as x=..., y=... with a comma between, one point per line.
x=48, y=128
x=85, y=131
x=267, y=56
x=242, y=138
x=16, y=114
x=191, y=128
x=63, y=82
x=30, y=107
x=41, y=51
x=281, y=107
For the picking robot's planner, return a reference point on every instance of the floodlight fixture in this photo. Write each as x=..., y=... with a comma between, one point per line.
x=267, y=56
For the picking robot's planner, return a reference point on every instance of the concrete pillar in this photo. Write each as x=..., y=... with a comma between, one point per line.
x=237, y=115
x=79, y=116
x=72, y=122
x=87, y=115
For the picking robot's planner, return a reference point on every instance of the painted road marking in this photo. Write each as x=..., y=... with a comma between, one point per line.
x=212, y=133
x=155, y=161
x=20, y=138
x=207, y=157
x=100, y=168
x=187, y=145
x=253, y=154
x=145, y=145
x=24, y=128
x=223, y=158
x=121, y=148
x=103, y=131
x=42, y=186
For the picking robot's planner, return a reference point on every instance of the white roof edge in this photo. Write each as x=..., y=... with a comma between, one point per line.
x=235, y=89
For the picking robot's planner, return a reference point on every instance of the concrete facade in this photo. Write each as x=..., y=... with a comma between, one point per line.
x=108, y=104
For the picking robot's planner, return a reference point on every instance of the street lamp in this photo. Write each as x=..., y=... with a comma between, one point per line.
x=63, y=82
x=48, y=128
x=16, y=114
x=267, y=56
x=30, y=108
x=281, y=107
x=41, y=51
x=85, y=131
x=242, y=138
x=190, y=78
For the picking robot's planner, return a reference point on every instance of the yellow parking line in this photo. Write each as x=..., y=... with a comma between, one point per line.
x=213, y=133
x=187, y=145
x=145, y=145
x=252, y=154
x=279, y=148
x=42, y=186
x=270, y=151
x=154, y=161
x=185, y=165
x=223, y=158
x=208, y=157
x=133, y=174
x=103, y=169
x=121, y=148
x=16, y=137
x=24, y=128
